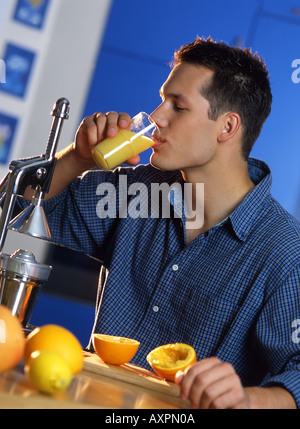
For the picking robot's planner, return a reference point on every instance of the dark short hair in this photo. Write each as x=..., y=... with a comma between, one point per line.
x=240, y=83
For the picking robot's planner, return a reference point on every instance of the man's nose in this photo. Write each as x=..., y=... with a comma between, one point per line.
x=159, y=117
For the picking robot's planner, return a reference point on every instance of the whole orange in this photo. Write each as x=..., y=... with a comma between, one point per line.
x=56, y=339
x=12, y=340
x=114, y=350
x=166, y=360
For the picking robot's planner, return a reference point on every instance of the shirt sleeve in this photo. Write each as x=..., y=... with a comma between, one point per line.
x=90, y=210
x=73, y=215
x=278, y=333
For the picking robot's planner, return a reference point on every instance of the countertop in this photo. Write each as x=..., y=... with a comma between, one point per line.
x=97, y=386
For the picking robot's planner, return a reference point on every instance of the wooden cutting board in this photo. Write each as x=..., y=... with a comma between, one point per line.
x=129, y=373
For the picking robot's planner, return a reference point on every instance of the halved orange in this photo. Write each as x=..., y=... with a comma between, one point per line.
x=166, y=360
x=115, y=350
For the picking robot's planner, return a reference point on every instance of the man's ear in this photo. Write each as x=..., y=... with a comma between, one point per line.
x=230, y=124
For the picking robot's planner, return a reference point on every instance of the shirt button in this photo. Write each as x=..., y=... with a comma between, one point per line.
x=155, y=309
x=175, y=267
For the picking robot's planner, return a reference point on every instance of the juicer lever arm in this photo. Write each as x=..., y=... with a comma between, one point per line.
x=38, y=171
x=34, y=171
x=60, y=112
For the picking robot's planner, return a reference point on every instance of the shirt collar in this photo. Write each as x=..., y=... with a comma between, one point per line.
x=244, y=215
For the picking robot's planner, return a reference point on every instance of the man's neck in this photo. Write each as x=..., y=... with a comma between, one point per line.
x=224, y=189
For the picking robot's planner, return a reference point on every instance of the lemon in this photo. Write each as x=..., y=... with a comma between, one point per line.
x=56, y=339
x=48, y=372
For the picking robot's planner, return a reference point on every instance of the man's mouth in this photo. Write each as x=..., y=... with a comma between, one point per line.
x=158, y=140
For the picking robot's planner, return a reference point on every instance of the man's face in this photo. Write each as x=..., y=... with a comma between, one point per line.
x=188, y=137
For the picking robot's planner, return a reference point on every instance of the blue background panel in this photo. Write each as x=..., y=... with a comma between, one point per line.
x=74, y=315
x=279, y=144
x=8, y=126
x=288, y=10
x=19, y=63
x=125, y=83
x=31, y=12
x=131, y=66
x=159, y=27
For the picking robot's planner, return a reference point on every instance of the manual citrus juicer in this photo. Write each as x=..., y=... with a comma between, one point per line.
x=21, y=276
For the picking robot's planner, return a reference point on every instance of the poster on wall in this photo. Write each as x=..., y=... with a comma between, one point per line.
x=18, y=67
x=8, y=125
x=31, y=12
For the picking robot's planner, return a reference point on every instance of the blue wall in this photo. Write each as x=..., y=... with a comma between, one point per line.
x=75, y=315
x=139, y=42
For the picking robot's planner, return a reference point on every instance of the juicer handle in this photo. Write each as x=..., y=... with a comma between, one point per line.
x=60, y=112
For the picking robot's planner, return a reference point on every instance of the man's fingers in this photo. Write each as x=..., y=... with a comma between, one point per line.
x=133, y=160
x=99, y=126
x=112, y=123
x=100, y=122
x=202, y=390
x=89, y=129
x=211, y=383
x=124, y=120
x=223, y=393
x=96, y=128
x=195, y=371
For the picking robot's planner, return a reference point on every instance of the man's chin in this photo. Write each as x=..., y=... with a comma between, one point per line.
x=160, y=165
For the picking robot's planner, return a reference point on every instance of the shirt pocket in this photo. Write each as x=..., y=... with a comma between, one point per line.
x=208, y=319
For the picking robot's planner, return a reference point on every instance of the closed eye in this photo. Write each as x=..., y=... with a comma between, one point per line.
x=174, y=98
x=178, y=108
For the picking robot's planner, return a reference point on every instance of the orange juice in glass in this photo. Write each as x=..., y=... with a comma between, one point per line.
x=113, y=151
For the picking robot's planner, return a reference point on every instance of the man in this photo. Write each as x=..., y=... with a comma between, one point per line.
x=229, y=287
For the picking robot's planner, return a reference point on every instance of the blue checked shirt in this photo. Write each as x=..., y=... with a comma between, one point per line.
x=233, y=292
